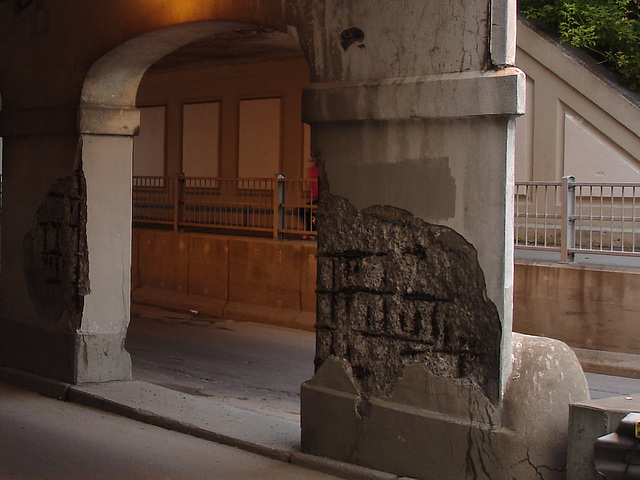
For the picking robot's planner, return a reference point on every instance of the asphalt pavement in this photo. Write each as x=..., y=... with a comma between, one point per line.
x=251, y=366
x=43, y=438
x=248, y=365
x=232, y=386
x=605, y=386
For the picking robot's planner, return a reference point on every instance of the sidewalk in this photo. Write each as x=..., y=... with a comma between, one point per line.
x=48, y=439
x=201, y=417
x=232, y=383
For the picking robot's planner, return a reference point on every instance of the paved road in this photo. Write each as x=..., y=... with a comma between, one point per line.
x=42, y=438
x=249, y=365
x=604, y=386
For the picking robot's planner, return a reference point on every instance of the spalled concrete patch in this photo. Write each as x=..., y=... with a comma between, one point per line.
x=56, y=254
x=408, y=358
x=432, y=428
x=404, y=292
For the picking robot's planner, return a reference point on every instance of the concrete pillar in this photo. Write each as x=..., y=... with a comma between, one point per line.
x=108, y=121
x=42, y=225
x=107, y=162
x=412, y=108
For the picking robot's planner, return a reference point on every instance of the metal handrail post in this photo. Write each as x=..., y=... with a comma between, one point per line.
x=278, y=206
x=178, y=200
x=567, y=240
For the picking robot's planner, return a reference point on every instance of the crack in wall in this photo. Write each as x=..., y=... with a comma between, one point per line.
x=479, y=441
x=538, y=469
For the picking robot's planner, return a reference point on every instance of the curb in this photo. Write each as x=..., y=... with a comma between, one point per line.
x=609, y=363
x=48, y=387
x=66, y=392
x=145, y=416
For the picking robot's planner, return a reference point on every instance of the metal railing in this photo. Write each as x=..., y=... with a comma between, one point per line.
x=277, y=207
x=577, y=217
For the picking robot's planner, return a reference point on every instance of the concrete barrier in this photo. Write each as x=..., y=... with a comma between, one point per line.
x=241, y=278
x=591, y=308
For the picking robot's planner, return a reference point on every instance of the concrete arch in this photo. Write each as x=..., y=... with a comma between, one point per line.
x=108, y=120
x=110, y=87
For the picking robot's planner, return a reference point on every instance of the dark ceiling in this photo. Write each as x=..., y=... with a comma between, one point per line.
x=240, y=46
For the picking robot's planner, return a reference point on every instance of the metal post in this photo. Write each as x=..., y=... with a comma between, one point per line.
x=178, y=200
x=278, y=207
x=568, y=221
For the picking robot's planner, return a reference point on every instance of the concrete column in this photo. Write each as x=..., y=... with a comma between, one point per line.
x=438, y=147
x=108, y=120
x=412, y=108
x=107, y=162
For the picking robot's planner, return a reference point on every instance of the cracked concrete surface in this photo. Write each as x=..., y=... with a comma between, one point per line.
x=433, y=428
x=401, y=38
x=405, y=292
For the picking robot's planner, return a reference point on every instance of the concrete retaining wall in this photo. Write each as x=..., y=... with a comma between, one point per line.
x=591, y=308
x=586, y=307
x=225, y=276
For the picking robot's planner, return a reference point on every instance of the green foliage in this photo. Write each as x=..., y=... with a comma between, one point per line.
x=608, y=29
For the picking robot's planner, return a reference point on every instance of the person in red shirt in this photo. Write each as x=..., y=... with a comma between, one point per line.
x=312, y=187
x=312, y=197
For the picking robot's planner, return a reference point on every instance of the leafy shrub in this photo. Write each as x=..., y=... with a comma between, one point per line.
x=608, y=29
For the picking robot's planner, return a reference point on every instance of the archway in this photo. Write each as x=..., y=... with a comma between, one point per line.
x=108, y=121
x=1, y=150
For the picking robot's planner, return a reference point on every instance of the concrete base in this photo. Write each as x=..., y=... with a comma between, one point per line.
x=101, y=358
x=222, y=309
x=431, y=428
x=71, y=357
x=588, y=421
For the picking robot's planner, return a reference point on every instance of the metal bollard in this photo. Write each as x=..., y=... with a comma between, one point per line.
x=617, y=455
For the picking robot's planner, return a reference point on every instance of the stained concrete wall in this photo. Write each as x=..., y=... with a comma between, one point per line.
x=239, y=278
x=587, y=307
x=281, y=78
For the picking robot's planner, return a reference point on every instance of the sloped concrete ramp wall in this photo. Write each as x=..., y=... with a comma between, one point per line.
x=579, y=121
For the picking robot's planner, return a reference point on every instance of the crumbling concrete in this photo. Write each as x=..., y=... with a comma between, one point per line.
x=55, y=250
x=408, y=356
x=432, y=428
x=405, y=292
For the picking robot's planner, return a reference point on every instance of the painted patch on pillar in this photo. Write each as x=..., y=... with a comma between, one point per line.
x=393, y=291
x=55, y=250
